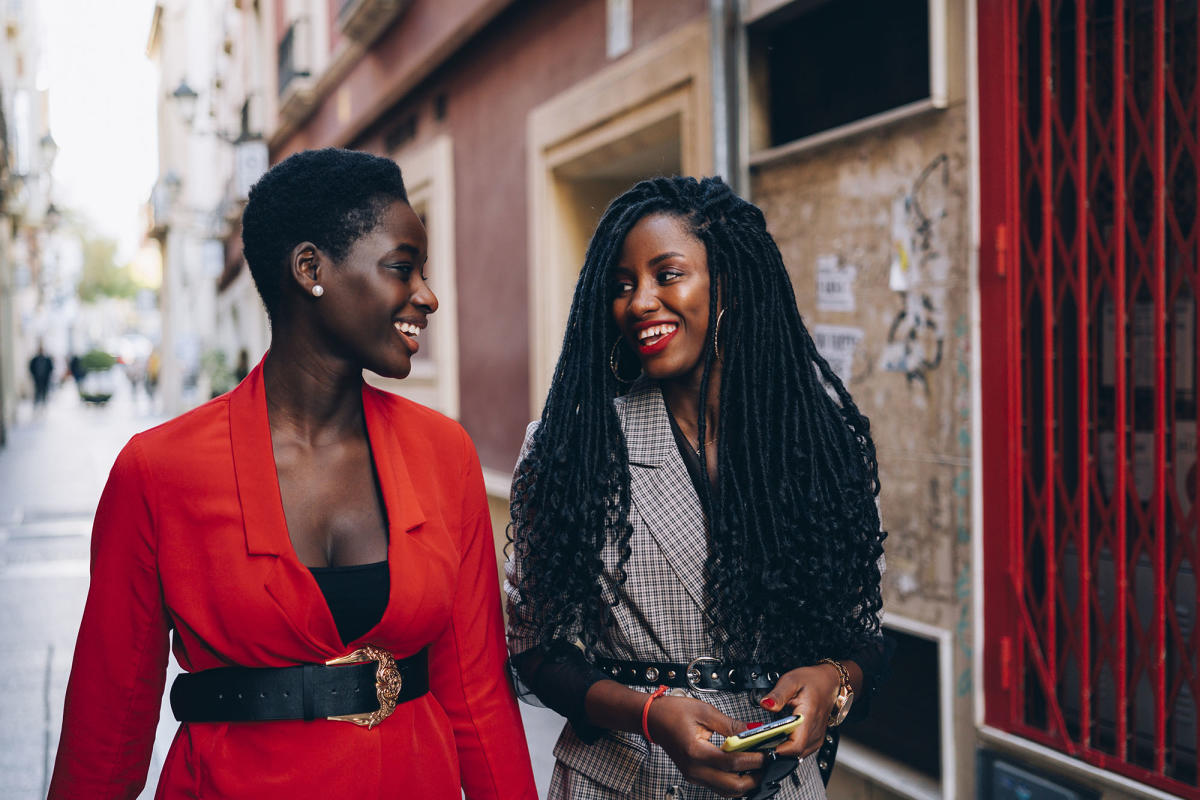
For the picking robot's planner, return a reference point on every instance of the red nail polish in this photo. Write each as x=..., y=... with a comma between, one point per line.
x=752, y=725
x=768, y=702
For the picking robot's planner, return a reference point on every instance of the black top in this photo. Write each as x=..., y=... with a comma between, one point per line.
x=356, y=595
x=691, y=460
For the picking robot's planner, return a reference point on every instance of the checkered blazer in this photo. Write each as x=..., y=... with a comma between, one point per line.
x=659, y=616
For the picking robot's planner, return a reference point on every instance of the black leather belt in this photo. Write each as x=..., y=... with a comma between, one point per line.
x=703, y=674
x=363, y=687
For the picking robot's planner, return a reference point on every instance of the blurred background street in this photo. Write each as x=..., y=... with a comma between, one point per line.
x=51, y=474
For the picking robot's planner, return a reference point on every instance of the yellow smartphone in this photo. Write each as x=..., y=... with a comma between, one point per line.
x=773, y=732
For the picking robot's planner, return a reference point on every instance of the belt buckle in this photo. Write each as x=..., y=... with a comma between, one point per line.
x=693, y=675
x=387, y=684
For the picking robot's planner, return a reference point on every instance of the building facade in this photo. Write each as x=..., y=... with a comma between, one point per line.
x=28, y=285
x=988, y=211
x=208, y=158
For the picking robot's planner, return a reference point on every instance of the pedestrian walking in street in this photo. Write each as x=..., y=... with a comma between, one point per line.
x=696, y=545
x=41, y=368
x=77, y=369
x=321, y=550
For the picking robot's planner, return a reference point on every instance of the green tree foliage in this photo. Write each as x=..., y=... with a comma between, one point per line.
x=102, y=276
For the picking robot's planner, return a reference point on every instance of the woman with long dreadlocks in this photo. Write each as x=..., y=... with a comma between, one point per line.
x=695, y=550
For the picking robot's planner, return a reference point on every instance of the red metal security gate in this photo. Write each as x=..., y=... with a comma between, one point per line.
x=1090, y=166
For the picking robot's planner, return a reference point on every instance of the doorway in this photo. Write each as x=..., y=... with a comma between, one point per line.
x=646, y=115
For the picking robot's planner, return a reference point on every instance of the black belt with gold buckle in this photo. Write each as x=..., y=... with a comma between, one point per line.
x=363, y=687
x=704, y=674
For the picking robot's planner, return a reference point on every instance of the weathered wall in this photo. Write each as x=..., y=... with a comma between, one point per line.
x=888, y=211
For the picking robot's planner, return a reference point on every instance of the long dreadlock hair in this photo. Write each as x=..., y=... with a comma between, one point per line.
x=794, y=531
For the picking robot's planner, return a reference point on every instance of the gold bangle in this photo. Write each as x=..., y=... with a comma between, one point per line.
x=841, y=671
x=844, y=693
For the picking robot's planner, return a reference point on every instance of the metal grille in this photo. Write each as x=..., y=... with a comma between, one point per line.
x=1090, y=166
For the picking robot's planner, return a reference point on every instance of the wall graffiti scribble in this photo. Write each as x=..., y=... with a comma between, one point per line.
x=919, y=269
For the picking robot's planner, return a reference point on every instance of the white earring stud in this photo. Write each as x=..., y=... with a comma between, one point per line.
x=318, y=290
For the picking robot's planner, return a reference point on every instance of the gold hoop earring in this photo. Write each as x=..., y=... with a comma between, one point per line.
x=716, y=335
x=613, y=356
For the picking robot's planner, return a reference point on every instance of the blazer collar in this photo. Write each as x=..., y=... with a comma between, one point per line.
x=401, y=498
x=258, y=482
x=643, y=415
x=661, y=488
x=254, y=468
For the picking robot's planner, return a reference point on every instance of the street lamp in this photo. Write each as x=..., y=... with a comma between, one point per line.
x=186, y=98
x=173, y=183
x=49, y=150
x=249, y=148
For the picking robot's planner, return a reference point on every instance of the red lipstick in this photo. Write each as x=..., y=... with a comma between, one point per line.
x=663, y=341
x=659, y=346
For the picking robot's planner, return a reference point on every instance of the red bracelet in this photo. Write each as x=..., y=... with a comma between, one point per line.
x=659, y=692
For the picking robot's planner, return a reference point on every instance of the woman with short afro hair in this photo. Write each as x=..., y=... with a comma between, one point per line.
x=319, y=551
x=696, y=547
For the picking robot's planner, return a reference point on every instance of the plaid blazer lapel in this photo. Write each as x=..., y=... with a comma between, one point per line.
x=660, y=488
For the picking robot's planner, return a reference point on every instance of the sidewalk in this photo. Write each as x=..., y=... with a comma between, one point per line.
x=51, y=474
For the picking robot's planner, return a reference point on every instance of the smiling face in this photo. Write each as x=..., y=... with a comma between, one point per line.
x=376, y=301
x=660, y=291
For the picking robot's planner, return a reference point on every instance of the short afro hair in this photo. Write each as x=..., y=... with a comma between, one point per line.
x=330, y=197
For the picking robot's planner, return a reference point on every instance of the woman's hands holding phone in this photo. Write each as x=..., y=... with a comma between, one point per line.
x=808, y=692
x=683, y=727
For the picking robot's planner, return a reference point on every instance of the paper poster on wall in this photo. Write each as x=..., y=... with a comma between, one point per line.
x=837, y=344
x=835, y=284
x=902, y=274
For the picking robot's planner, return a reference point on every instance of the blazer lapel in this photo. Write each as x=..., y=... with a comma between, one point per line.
x=254, y=466
x=403, y=506
x=404, y=512
x=661, y=489
x=287, y=580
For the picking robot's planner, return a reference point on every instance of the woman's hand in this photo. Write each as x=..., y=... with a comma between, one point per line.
x=682, y=726
x=808, y=691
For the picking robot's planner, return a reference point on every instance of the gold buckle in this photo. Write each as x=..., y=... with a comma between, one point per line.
x=387, y=684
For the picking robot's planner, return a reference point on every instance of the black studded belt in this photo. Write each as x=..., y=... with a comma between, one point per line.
x=363, y=687
x=704, y=674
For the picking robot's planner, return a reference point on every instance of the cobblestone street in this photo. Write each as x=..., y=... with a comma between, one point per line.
x=51, y=474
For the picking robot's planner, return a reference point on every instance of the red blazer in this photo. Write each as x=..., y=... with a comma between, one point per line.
x=190, y=537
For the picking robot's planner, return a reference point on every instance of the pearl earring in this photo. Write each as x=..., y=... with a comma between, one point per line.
x=318, y=290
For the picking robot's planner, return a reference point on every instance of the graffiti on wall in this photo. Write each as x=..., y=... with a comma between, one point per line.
x=918, y=272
